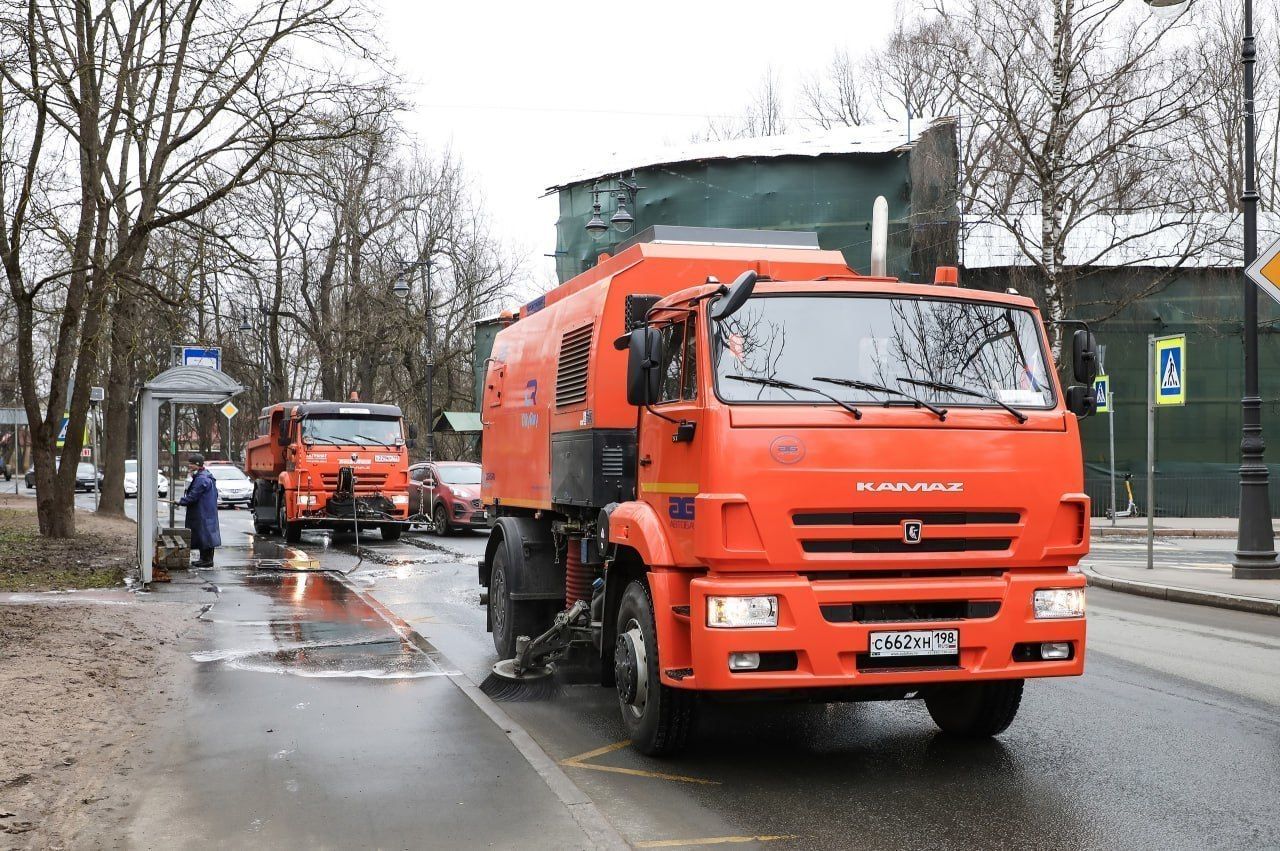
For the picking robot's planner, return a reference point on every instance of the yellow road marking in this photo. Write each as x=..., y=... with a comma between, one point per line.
x=669, y=487
x=616, y=746
x=579, y=762
x=712, y=840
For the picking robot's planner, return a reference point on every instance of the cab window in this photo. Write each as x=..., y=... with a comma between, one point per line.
x=679, y=362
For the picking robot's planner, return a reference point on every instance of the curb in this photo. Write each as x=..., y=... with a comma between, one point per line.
x=1253, y=605
x=589, y=818
x=1136, y=532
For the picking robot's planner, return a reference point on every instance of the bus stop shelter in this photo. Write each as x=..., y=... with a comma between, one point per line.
x=182, y=385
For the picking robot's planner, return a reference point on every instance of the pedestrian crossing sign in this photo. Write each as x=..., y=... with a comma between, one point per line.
x=1102, y=393
x=1171, y=368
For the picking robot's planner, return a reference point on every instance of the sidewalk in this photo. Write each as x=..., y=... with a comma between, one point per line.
x=1170, y=527
x=1203, y=587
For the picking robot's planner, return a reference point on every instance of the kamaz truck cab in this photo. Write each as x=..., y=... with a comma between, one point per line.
x=807, y=483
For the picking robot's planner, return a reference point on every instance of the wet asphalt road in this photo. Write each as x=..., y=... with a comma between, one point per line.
x=315, y=724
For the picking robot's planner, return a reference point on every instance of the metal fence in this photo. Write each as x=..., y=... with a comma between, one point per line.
x=1179, y=493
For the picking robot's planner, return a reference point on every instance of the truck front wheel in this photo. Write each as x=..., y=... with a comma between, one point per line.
x=977, y=710
x=658, y=718
x=391, y=531
x=292, y=532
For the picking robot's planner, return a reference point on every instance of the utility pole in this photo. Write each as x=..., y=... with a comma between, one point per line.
x=1255, y=555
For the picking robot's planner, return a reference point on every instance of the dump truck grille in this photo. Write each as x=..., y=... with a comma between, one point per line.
x=571, y=373
x=366, y=483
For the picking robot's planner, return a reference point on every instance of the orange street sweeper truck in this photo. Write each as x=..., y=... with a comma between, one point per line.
x=802, y=483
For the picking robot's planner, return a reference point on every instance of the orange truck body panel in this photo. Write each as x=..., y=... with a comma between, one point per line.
x=718, y=514
x=306, y=474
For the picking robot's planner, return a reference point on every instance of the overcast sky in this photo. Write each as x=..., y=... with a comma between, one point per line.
x=524, y=92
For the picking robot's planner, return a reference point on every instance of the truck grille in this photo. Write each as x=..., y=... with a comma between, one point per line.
x=571, y=372
x=929, y=545
x=880, y=532
x=895, y=518
x=366, y=483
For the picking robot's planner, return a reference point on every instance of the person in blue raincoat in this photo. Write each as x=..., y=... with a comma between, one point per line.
x=201, y=500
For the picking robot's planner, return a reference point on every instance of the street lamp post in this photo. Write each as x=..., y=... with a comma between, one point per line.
x=1255, y=556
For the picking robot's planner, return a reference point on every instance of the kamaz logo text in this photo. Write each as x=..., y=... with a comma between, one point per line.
x=911, y=487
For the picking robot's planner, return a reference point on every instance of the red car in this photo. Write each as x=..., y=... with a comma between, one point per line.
x=449, y=493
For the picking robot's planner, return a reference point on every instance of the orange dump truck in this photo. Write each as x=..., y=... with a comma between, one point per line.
x=329, y=465
x=809, y=484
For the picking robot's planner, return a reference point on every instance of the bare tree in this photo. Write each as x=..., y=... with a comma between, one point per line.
x=171, y=108
x=1072, y=104
x=763, y=115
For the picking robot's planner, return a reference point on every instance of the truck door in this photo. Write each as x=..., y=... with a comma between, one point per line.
x=671, y=480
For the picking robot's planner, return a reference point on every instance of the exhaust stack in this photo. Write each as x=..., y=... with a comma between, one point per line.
x=880, y=238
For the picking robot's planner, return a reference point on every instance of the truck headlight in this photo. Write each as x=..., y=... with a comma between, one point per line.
x=400, y=499
x=735, y=612
x=1059, y=602
x=306, y=499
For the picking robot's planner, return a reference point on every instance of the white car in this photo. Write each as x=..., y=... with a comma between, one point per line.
x=234, y=487
x=131, y=480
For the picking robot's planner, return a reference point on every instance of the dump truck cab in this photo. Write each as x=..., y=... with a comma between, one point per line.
x=329, y=465
x=809, y=482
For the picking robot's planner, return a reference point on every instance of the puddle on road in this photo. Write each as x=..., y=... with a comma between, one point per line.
x=308, y=624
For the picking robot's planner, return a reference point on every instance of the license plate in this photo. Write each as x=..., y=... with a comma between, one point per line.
x=916, y=642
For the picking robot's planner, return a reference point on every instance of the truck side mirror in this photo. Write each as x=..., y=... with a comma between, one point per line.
x=413, y=431
x=642, y=366
x=283, y=438
x=1084, y=356
x=1081, y=400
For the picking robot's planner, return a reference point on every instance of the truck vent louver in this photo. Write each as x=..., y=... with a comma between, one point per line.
x=571, y=374
x=611, y=463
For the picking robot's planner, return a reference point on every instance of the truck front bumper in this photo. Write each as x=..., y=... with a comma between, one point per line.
x=824, y=629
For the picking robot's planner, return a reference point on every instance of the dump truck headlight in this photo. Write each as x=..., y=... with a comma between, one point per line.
x=400, y=499
x=1059, y=602
x=306, y=499
x=734, y=612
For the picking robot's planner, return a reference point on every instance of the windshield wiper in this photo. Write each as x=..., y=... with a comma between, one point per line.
x=966, y=391
x=880, y=388
x=788, y=385
x=375, y=440
x=322, y=439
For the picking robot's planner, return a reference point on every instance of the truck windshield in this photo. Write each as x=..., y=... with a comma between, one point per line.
x=352, y=431
x=989, y=348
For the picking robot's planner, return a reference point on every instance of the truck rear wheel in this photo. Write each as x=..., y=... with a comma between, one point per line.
x=391, y=531
x=509, y=619
x=658, y=718
x=978, y=710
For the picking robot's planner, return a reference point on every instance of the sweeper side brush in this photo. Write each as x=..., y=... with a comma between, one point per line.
x=504, y=683
x=530, y=675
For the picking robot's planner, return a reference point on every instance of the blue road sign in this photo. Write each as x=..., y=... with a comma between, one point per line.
x=1102, y=393
x=1171, y=364
x=202, y=356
